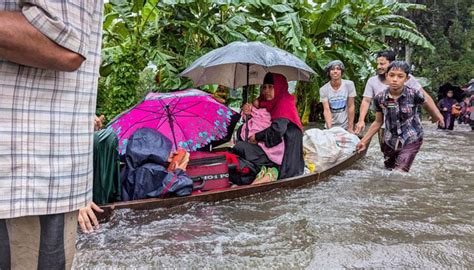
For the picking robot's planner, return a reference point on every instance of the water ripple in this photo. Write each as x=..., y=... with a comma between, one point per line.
x=364, y=217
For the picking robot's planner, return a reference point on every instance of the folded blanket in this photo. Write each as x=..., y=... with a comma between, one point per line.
x=261, y=119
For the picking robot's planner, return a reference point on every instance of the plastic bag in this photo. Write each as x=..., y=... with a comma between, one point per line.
x=345, y=140
x=321, y=149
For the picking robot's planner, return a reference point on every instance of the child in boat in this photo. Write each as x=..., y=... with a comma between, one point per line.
x=398, y=107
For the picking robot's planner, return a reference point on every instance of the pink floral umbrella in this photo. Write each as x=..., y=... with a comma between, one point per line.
x=190, y=118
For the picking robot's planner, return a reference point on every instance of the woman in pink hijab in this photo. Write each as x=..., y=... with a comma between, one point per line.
x=285, y=126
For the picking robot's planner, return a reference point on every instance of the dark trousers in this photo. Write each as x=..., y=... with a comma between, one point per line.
x=401, y=159
x=448, y=121
x=253, y=153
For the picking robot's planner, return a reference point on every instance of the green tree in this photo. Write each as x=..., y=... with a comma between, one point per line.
x=147, y=43
x=448, y=24
x=321, y=31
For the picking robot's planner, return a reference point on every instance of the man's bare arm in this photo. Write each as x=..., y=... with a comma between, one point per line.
x=376, y=125
x=364, y=108
x=351, y=113
x=327, y=114
x=22, y=43
x=432, y=108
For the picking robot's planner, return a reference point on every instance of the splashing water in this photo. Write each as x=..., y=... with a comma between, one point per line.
x=363, y=217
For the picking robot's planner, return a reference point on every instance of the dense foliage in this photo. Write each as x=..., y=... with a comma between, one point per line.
x=448, y=24
x=148, y=42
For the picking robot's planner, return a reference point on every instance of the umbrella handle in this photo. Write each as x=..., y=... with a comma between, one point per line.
x=247, y=100
x=170, y=120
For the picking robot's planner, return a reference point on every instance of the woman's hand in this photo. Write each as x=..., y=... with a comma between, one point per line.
x=252, y=139
x=87, y=219
x=247, y=109
x=256, y=104
x=184, y=163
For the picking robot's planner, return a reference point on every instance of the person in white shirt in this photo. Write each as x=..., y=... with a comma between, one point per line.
x=378, y=83
x=338, y=97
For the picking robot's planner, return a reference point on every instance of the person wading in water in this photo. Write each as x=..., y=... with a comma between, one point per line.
x=397, y=107
x=379, y=82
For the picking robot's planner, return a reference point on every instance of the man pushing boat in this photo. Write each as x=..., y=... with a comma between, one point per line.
x=397, y=106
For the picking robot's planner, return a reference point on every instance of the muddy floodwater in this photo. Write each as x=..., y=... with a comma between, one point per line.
x=363, y=217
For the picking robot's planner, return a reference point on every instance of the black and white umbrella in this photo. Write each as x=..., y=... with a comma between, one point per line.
x=245, y=63
x=458, y=93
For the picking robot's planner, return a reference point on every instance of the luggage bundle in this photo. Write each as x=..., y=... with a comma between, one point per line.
x=323, y=148
x=456, y=110
x=146, y=170
x=218, y=170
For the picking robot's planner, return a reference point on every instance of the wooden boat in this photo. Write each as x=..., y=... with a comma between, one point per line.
x=230, y=193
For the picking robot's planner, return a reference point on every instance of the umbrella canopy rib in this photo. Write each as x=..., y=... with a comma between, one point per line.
x=138, y=123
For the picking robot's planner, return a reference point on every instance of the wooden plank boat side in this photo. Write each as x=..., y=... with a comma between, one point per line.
x=231, y=193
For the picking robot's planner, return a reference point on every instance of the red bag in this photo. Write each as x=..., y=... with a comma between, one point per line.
x=209, y=171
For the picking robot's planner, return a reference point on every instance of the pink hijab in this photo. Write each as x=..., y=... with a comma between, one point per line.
x=283, y=105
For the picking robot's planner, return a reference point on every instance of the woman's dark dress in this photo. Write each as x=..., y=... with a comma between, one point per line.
x=292, y=164
x=448, y=117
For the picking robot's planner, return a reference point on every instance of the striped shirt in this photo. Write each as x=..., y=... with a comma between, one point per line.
x=46, y=116
x=402, y=121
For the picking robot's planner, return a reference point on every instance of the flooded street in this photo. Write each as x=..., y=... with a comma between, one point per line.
x=362, y=217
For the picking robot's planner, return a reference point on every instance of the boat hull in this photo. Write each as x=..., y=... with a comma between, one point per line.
x=230, y=193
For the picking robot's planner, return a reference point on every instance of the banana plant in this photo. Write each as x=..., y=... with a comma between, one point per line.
x=153, y=40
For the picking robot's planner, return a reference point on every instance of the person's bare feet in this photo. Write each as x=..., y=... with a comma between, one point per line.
x=264, y=179
x=269, y=175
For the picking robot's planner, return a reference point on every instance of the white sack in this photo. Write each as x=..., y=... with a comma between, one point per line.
x=345, y=140
x=320, y=148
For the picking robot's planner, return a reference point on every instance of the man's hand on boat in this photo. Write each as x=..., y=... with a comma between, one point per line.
x=360, y=126
x=87, y=219
x=361, y=146
x=98, y=122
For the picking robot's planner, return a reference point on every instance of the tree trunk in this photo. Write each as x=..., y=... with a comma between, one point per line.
x=408, y=53
x=456, y=7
